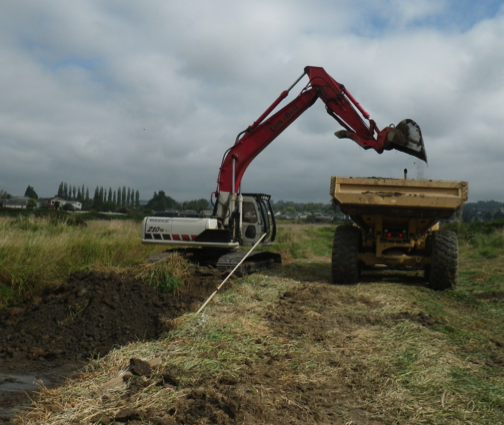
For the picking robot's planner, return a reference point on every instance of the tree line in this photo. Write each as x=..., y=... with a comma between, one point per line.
x=125, y=198
x=128, y=198
x=122, y=198
x=103, y=199
x=288, y=207
x=162, y=202
x=482, y=211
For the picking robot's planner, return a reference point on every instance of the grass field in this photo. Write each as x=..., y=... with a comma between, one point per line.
x=40, y=252
x=386, y=351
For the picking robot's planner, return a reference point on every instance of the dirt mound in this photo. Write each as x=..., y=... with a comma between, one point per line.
x=91, y=314
x=88, y=316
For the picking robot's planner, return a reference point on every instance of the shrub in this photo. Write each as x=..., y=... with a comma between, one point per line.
x=68, y=207
x=76, y=220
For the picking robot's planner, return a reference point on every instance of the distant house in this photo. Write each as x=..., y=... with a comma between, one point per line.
x=51, y=202
x=16, y=202
x=43, y=202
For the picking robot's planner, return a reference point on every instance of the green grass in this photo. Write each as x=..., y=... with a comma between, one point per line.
x=471, y=334
x=304, y=241
x=455, y=361
x=164, y=278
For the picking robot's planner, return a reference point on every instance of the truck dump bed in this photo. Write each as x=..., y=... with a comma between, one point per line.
x=434, y=199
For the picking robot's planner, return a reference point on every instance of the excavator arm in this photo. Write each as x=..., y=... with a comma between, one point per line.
x=340, y=104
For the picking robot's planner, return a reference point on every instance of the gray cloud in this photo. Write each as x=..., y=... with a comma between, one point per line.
x=150, y=95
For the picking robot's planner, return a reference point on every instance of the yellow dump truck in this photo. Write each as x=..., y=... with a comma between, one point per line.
x=396, y=225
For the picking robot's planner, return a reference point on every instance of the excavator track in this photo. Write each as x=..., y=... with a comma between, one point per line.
x=255, y=261
x=225, y=262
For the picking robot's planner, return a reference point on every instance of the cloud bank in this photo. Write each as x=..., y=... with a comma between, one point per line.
x=150, y=94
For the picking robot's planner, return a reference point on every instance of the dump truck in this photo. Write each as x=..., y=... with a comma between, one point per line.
x=396, y=225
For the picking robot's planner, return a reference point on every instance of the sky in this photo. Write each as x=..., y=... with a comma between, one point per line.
x=150, y=94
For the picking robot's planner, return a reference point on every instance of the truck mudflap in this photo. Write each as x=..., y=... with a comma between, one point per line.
x=255, y=261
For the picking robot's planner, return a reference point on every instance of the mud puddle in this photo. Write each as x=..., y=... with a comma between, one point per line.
x=13, y=390
x=17, y=389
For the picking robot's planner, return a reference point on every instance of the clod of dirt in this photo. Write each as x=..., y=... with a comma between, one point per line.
x=169, y=379
x=139, y=367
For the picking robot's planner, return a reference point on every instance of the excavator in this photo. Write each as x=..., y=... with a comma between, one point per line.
x=247, y=219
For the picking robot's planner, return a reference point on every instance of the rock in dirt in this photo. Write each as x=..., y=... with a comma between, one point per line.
x=139, y=367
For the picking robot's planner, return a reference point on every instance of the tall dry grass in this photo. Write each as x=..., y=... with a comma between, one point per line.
x=36, y=253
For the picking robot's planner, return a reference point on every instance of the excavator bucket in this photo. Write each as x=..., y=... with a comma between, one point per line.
x=407, y=137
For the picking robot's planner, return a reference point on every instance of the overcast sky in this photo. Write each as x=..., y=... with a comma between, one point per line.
x=149, y=94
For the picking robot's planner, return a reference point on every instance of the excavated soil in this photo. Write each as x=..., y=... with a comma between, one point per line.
x=49, y=337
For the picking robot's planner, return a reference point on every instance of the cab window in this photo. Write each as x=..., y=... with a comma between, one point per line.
x=249, y=213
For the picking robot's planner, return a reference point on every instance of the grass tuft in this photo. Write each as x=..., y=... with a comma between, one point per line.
x=165, y=276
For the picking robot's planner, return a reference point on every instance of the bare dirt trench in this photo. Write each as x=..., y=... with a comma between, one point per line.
x=48, y=338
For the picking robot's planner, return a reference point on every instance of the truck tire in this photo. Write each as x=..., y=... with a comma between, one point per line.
x=444, y=260
x=345, y=263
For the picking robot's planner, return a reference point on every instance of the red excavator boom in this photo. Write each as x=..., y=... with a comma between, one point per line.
x=340, y=104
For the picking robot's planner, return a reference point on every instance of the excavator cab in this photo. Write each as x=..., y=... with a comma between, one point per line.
x=257, y=219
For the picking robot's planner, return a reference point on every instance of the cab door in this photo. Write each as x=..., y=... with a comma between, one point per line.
x=251, y=222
